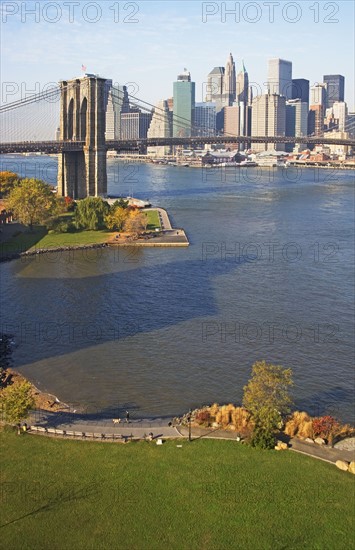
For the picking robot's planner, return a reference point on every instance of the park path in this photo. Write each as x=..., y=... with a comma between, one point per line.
x=138, y=428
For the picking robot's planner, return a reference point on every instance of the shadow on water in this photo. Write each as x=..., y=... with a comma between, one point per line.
x=110, y=307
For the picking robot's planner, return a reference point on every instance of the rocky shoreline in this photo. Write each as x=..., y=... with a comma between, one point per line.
x=29, y=253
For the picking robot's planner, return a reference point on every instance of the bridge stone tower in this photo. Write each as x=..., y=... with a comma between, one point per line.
x=82, y=171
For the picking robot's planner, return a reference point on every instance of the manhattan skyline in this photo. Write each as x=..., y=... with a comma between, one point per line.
x=169, y=36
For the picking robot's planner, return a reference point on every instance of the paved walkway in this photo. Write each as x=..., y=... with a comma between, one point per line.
x=322, y=452
x=138, y=428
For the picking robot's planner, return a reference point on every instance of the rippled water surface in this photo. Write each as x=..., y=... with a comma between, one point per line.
x=268, y=275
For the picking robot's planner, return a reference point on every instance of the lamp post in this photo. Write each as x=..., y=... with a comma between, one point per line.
x=189, y=419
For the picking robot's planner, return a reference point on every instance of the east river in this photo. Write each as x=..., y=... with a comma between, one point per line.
x=268, y=275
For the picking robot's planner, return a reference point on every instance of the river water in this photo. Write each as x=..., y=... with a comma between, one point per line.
x=268, y=275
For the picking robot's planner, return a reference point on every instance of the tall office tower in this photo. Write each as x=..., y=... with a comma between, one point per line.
x=160, y=127
x=316, y=120
x=214, y=86
x=336, y=116
x=279, y=79
x=300, y=89
x=243, y=99
x=268, y=119
x=205, y=119
x=243, y=85
x=135, y=124
x=117, y=103
x=335, y=84
x=318, y=95
x=350, y=124
x=229, y=81
x=296, y=122
x=232, y=120
x=184, y=105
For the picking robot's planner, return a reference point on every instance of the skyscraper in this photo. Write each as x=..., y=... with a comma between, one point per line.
x=184, y=105
x=214, y=87
x=296, y=121
x=229, y=81
x=279, y=79
x=243, y=85
x=243, y=99
x=300, y=89
x=268, y=119
x=160, y=127
x=335, y=88
x=205, y=119
x=135, y=124
x=117, y=104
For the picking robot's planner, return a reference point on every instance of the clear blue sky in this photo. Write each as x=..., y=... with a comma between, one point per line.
x=168, y=36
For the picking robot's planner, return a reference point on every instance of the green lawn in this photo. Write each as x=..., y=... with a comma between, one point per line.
x=213, y=495
x=40, y=238
x=153, y=220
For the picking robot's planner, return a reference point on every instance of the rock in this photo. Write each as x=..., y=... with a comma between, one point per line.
x=342, y=465
x=309, y=440
x=277, y=448
x=319, y=441
x=283, y=446
x=352, y=467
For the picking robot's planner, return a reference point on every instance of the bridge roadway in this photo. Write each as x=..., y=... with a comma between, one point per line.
x=52, y=147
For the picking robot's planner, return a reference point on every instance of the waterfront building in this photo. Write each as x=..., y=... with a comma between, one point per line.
x=268, y=119
x=184, y=105
x=205, y=119
x=335, y=88
x=279, y=80
x=160, y=127
x=135, y=124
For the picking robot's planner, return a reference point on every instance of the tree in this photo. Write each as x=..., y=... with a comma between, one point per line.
x=266, y=397
x=115, y=220
x=32, y=202
x=8, y=180
x=16, y=401
x=136, y=223
x=91, y=212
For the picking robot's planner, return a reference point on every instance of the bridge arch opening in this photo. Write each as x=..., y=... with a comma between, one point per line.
x=70, y=119
x=83, y=119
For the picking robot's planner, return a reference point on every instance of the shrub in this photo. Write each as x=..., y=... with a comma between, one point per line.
x=325, y=426
x=300, y=424
x=203, y=417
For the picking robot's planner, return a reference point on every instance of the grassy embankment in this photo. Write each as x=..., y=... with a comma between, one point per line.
x=63, y=494
x=41, y=238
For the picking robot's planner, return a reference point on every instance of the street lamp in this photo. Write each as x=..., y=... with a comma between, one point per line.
x=189, y=420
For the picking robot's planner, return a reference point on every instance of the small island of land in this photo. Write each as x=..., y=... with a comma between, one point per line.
x=54, y=224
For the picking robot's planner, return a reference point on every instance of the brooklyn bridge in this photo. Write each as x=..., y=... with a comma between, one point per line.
x=82, y=146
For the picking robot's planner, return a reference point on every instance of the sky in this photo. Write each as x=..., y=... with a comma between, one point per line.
x=146, y=44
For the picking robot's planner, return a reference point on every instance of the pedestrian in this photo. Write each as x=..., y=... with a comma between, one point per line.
x=127, y=417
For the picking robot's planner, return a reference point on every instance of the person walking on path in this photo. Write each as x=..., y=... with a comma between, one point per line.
x=127, y=417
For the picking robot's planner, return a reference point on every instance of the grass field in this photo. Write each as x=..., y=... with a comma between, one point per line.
x=41, y=238
x=153, y=220
x=209, y=494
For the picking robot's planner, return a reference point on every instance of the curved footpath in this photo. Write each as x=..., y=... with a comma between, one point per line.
x=139, y=428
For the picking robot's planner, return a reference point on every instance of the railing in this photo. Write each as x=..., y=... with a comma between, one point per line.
x=63, y=146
